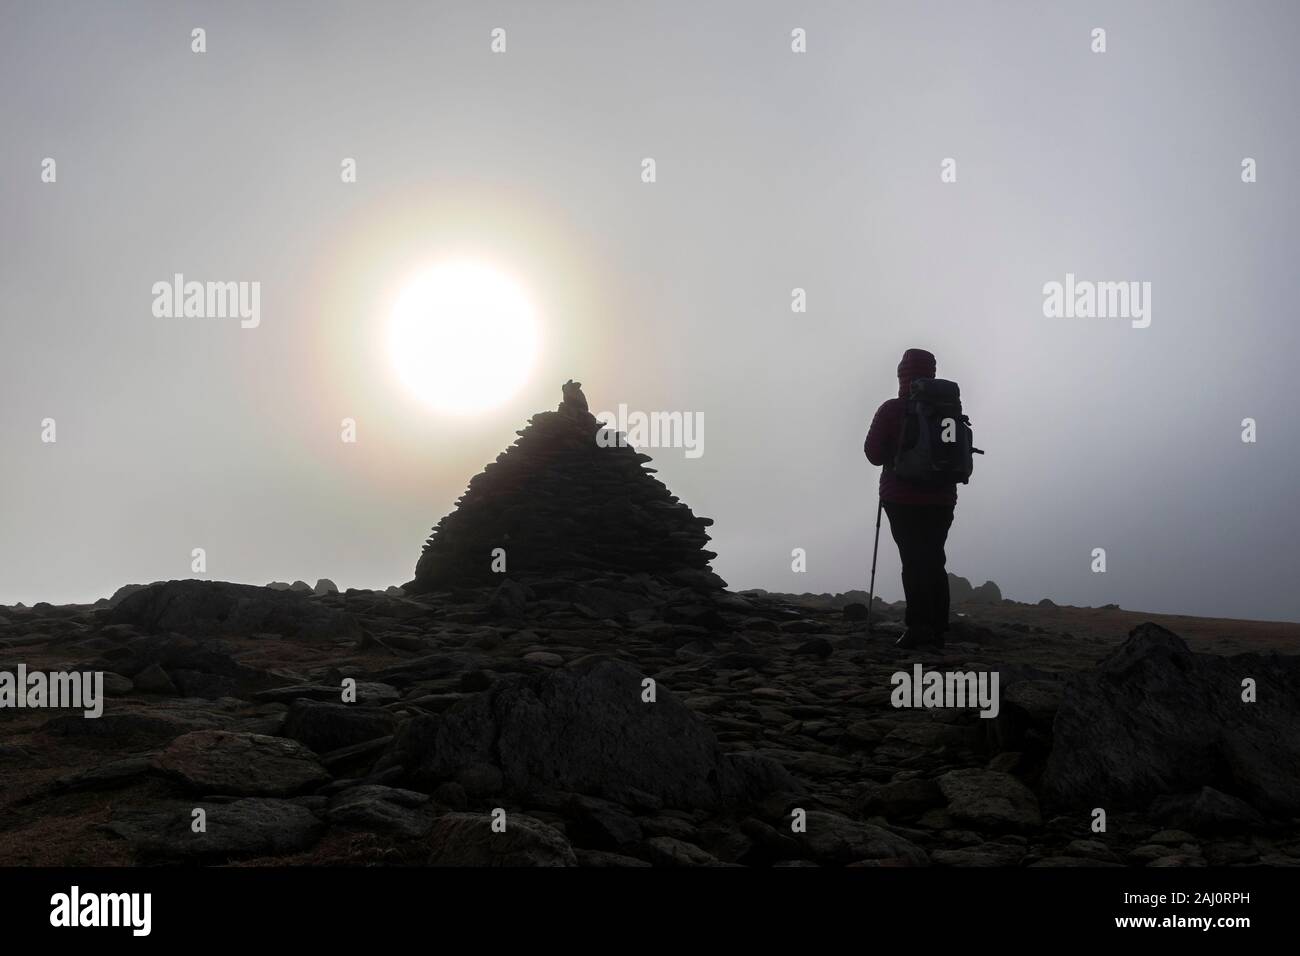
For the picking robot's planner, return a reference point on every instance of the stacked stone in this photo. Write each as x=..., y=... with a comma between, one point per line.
x=557, y=501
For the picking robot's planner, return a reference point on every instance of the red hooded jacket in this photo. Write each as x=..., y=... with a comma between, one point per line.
x=882, y=438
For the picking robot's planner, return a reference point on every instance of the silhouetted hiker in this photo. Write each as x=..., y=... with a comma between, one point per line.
x=920, y=511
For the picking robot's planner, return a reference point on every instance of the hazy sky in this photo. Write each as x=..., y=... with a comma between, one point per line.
x=775, y=170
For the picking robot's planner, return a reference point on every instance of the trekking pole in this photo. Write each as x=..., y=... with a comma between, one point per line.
x=871, y=594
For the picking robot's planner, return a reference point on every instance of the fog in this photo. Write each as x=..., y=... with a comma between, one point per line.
x=775, y=171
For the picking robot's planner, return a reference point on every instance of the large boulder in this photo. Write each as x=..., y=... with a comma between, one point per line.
x=325, y=726
x=1154, y=719
x=190, y=666
x=218, y=607
x=989, y=799
x=134, y=729
x=1024, y=720
x=586, y=730
x=241, y=764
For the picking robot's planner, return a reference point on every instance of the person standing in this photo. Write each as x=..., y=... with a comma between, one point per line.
x=920, y=515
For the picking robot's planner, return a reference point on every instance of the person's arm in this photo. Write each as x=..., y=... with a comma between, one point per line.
x=882, y=437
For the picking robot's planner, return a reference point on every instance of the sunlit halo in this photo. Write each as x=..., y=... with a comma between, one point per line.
x=463, y=337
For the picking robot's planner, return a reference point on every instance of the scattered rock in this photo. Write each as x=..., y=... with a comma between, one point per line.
x=509, y=600
x=855, y=612
x=201, y=607
x=818, y=647
x=244, y=828
x=986, y=798
x=115, y=685
x=903, y=798
x=1024, y=720
x=605, y=858
x=1206, y=810
x=986, y=854
x=325, y=727
x=544, y=659
x=585, y=730
x=129, y=729
x=242, y=764
x=116, y=773
x=467, y=839
x=602, y=824
x=154, y=680
x=1093, y=850
x=669, y=851
x=387, y=810
x=834, y=840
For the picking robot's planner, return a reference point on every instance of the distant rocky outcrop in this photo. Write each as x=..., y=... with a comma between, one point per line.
x=960, y=591
x=560, y=501
x=825, y=600
x=124, y=591
x=193, y=606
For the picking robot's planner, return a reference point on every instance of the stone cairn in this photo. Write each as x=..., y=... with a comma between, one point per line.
x=559, y=504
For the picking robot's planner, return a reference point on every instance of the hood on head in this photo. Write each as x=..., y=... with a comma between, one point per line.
x=916, y=363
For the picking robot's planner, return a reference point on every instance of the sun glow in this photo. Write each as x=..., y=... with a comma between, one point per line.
x=463, y=337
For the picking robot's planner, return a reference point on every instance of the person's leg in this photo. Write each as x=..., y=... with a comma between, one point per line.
x=938, y=525
x=907, y=525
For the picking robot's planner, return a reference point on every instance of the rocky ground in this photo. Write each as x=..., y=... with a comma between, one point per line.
x=531, y=698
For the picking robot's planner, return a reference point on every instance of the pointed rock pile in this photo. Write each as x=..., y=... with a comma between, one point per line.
x=557, y=501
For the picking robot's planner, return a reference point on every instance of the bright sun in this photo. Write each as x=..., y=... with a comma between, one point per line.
x=463, y=337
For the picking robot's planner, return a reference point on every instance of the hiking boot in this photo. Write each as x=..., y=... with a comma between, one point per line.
x=913, y=638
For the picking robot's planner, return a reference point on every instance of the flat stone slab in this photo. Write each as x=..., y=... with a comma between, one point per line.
x=987, y=798
x=242, y=764
x=244, y=828
x=467, y=839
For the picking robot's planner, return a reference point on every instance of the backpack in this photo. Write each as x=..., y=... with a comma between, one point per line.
x=934, y=446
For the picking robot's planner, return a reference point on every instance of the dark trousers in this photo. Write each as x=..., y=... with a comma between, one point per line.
x=920, y=531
